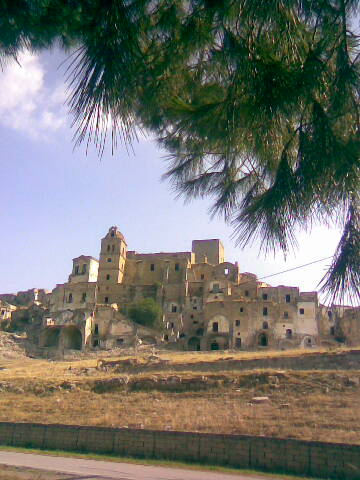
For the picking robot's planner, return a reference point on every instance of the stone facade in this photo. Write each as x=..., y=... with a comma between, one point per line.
x=6, y=310
x=207, y=303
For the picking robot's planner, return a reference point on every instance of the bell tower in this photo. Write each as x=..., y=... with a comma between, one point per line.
x=112, y=257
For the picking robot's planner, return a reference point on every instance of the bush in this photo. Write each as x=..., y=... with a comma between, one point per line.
x=145, y=312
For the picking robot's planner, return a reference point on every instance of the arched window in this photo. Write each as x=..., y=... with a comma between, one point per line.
x=215, y=327
x=288, y=333
x=263, y=340
x=265, y=325
x=70, y=298
x=214, y=346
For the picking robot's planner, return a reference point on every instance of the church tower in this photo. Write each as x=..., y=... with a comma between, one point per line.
x=112, y=258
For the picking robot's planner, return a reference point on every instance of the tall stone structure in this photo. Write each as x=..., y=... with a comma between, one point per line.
x=112, y=258
x=207, y=303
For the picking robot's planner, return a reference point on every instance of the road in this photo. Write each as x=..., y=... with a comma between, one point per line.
x=100, y=470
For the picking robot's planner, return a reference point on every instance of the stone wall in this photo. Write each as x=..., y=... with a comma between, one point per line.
x=326, y=460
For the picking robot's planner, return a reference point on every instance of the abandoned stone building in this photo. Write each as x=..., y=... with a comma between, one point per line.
x=206, y=303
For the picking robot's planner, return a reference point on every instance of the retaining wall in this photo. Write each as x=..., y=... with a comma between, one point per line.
x=326, y=460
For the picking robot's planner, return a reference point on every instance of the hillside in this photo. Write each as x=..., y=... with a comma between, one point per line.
x=192, y=392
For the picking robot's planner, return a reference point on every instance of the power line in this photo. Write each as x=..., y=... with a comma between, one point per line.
x=288, y=270
x=296, y=268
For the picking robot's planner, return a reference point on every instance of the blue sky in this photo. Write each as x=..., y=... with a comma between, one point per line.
x=57, y=203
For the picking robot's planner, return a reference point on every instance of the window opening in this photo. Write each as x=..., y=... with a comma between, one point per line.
x=288, y=333
x=263, y=340
x=216, y=288
x=70, y=298
x=287, y=298
x=265, y=325
x=215, y=327
x=173, y=308
x=109, y=260
x=237, y=323
x=96, y=329
x=106, y=299
x=83, y=298
x=265, y=311
x=238, y=342
x=265, y=296
x=108, y=276
x=152, y=267
x=177, y=267
x=286, y=314
x=301, y=311
x=246, y=293
x=76, y=270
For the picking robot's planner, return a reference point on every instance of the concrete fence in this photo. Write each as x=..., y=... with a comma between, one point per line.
x=318, y=459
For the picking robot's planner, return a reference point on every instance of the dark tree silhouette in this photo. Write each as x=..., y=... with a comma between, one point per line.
x=256, y=101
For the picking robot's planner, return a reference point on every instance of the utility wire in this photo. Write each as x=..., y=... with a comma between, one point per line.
x=288, y=270
x=296, y=268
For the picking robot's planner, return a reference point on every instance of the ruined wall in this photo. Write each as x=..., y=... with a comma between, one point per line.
x=211, y=250
x=72, y=296
x=348, y=327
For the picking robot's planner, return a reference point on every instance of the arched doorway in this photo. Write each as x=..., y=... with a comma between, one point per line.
x=50, y=337
x=72, y=338
x=194, y=344
x=214, y=346
x=263, y=340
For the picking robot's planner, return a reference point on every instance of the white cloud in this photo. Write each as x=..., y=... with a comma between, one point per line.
x=26, y=103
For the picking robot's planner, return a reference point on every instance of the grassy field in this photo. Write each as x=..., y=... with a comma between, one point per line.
x=313, y=405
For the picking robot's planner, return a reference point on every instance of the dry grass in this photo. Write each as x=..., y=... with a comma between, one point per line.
x=18, y=473
x=31, y=368
x=311, y=405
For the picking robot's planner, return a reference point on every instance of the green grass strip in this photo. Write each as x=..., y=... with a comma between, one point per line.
x=160, y=463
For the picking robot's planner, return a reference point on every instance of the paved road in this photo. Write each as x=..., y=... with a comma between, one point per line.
x=99, y=470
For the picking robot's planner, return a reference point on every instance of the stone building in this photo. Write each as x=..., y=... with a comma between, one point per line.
x=6, y=310
x=207, y=303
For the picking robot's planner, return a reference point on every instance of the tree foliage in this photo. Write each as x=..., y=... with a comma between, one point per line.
x=145, y=312
x=256, y=101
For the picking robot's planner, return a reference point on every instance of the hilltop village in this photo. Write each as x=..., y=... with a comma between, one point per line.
x=206, y=303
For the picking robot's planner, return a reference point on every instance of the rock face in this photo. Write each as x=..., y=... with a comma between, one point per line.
x=12, y=346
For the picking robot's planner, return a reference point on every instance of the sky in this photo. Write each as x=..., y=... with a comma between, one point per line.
x=57, y=201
